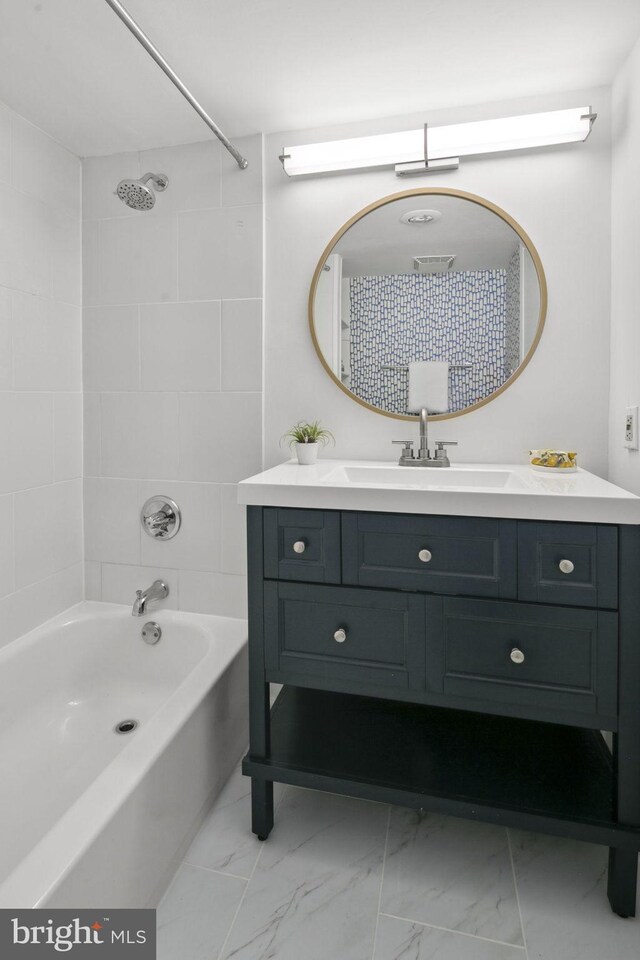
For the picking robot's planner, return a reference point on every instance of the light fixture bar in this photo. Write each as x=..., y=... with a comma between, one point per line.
x=444, y=143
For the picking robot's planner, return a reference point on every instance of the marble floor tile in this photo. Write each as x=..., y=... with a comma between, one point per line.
x=402, y=940
x=225, y=841
x=195, y=914
x=314, y=893
x=451, y=873
x=562, y=890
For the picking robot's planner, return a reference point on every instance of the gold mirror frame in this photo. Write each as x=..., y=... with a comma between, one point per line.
x=421, y=192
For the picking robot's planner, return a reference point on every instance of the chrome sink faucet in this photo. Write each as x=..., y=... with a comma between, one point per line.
x=424, y=458
x=157, y=591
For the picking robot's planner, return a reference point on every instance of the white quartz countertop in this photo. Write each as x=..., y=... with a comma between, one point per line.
x=468, y=490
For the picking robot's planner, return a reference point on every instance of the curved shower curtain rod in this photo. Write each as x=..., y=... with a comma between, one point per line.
x=141, y=36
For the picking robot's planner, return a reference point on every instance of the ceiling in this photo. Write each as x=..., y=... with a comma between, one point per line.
x=72, y=68
x=381, y=244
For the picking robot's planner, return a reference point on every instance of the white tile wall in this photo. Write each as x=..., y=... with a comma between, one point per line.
x=40, y=377
x=172, y=371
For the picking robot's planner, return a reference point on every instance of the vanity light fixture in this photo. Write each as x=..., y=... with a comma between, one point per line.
x=436, y=148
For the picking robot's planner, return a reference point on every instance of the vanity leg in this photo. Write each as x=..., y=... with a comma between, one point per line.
x=261, y=808
x=622, y=881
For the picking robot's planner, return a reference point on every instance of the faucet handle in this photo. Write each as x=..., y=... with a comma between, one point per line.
x=407, y=449
x=441, y=453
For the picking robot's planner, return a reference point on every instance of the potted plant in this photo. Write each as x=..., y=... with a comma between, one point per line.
x=307, y=438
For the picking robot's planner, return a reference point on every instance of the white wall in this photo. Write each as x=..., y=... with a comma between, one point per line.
x=625, y=268
x=561, y=197
x=172, y=371
x=40, y=377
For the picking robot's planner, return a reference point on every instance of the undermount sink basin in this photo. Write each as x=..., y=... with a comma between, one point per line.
x=424, y=478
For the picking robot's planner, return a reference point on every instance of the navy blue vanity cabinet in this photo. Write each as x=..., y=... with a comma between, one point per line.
x=463, y=665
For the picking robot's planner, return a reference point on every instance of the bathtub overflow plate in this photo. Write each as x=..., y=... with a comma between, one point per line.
x=125, y=726
x=151, y=632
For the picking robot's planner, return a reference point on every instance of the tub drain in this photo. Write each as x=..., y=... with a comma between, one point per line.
x=125, y=726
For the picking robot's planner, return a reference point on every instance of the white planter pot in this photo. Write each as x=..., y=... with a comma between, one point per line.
x=307, y=453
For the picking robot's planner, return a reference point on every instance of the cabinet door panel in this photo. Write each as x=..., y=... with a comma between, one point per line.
x=302, y=545
x=352, y=636
x=535, y=656
x=568, y=563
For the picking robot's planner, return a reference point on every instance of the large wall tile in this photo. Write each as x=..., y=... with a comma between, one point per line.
x=220, y=253
x=92, y=580
x=234, y=531
x=6, y=353
x=5, y=143
x=112, y=520
x=220, y=436
x=242, y=345
x=48, y=530
x=27, y=608
x=91, y=434
x=139, y=434
x=193, y=170
x=66, y=259
x=33, y=244
x=42, y=167
x=7, y=561
x=180, y=346
x=47, y=344
x=111, y=349
x=67, y=436
x=26, y=440
x=221, y=594
x=90, y=263
x=197, y=544
x=138, y=259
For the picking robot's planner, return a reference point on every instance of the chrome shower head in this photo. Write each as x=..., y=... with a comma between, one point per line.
x=137, y=195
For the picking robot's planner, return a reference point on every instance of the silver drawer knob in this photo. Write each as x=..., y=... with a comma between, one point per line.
x=424, y=555
x=340, y=635
x=517, y=656
x=299, y=546
x=566, y=566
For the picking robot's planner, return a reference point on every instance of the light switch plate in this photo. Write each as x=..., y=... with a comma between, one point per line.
x=631, y=428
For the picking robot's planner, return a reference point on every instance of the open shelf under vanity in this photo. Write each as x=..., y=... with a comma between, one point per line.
x=514, y=772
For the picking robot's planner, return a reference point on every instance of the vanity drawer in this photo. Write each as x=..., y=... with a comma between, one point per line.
x=348, y=638
x=536, y=657
x=571, y=563
x=459, y=555
x=302, y=545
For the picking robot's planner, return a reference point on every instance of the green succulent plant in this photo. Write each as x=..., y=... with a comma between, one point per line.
x=303, y=432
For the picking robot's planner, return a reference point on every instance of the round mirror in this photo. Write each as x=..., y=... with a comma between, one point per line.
x=428, y=298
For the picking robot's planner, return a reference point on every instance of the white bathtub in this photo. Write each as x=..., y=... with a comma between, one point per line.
x=91, y=818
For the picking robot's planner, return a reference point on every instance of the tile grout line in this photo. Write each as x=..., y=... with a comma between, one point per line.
x=220, y=873
x=461, y=933
x=384, y=861
x=515, y=887
x=242, y=898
